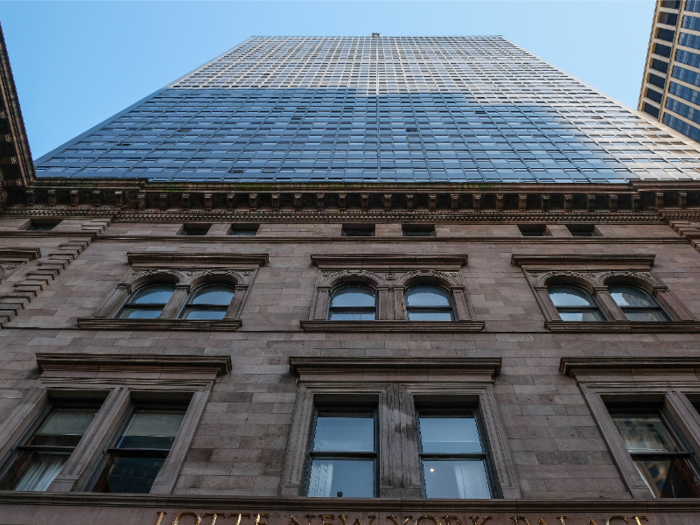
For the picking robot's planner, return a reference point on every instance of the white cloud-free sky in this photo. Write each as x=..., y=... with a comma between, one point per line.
x=77, y=63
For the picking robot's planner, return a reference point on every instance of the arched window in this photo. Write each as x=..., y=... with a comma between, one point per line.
x=208, y=302
x=574, y=304
x=147, y=302
x=353, y=303
x=428, y=303
x=637, y=304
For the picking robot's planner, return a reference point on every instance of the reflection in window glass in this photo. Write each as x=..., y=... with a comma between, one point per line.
x=343, y=456
x=43, y=455
x=209, y=302
x=353, y=303
x=665, y=466
x=428, y=303
x=574, y=304
x=148, y=302
x=133, y=463
x=453, y=459
x=637, y=304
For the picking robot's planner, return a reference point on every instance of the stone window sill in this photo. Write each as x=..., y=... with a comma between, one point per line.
x=392, y=326
x=623, y=326
x=218, y=325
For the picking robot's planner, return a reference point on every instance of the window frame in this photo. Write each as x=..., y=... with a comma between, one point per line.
x=575, y=309
x=428, y=309
x=349, y=411
x=659, y=307
x=44, y=410
x=445, y=410
x=129, y=303
x=188, y=305
x=351, y=309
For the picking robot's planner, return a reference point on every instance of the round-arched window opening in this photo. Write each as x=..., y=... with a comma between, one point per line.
x=574, y=304
x=147, y=302
x=428, y=303
x=637, y=304
x=353, y=303
x=209, y=301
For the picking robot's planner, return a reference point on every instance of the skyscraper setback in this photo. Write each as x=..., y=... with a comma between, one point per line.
x=671, y=83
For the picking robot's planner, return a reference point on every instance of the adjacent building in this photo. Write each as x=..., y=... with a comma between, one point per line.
x=354, y=281
x=671, y=84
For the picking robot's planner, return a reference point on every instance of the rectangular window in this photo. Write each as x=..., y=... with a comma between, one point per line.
x=533, y=230
x=582, y=230
x=244, y=230
x=654, y=95
x=418, y=230
x=660, y=456
x=657, y=80
x=668, y=18
x=666, y=34
x=453, y=460
x=51, y=440
x=137, y=451
x=358, y=230
x=42, y=225
x=659, y=65
x=664, y=51
x=195, y=228
x=651, y=109
x=342, y=457
x=672, y=4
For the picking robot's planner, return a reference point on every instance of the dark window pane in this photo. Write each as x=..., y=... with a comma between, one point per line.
x=668, y=478
x=668, y=18
x=358, y=230
x=344, y=434
x=654, y=95
x=533, y=230
x=666, y=34
x=449, y=435
x=673, y=4
x=34, y=471
x=418, y=230
x=664, y=51
x=463, y=479
x=657, y=80
x=582, y=230
x=354, y=478
x=659, y=65
x=131, y=475
x=652, y=110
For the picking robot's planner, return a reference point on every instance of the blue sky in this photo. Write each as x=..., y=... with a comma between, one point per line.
x=78, y=63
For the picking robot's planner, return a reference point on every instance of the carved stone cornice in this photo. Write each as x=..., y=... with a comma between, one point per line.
x=218, y=325
x=367, y=261
x=585, y=261
x=195, y=260
x=629, y=365
x=84, y=362
x=652, y=327
x=392, y=326
x=350, y=365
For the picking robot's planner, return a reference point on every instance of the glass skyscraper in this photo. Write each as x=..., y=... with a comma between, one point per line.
x=671, y=85
x=380, y=109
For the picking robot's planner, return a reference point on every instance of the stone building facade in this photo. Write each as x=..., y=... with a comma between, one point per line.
x=301, y=352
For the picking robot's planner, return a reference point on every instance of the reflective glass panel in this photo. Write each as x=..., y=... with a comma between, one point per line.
x=449, y=435
x=629, y=296
x=215, y=295
x=344, y=434
x=462, y=479
x=63, y=427
x=670, y=478
x=36, y=470
x=352, y=316
x=429, y=316
x=569, y=296
x=645, y=434
x=645, y=315
x=151, y=430
x=350, y=296
x=590, y=315
x=134, y=313
x=153, y=294
x=354, y=478
x=427, y=296
x=192, y=313
x=131, y=475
